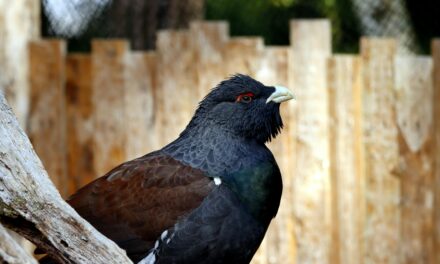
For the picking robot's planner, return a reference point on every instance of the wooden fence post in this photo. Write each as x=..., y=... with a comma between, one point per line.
x=46, y=125
x=382, y=187
x=310, y=48
x=79, y=111
x=242, y=55
x=414, y=118
x=109, y=58
x=140, y=105
x=435, y=46
x=19, y=24
x=346, y=166
x=177, y=95
x=209, y=39
x=280, y=239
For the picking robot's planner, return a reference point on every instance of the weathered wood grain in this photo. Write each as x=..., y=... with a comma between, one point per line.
x=280, y=239
x=109, y=74
x=19, y=24
x=242, y=55
x=11, y=251
x=208, y=41
x=346, y=157
x=139, y=105
x=47, y=120
x=31, y=205
x=414, y=118
x=177, y=95
x=435, y=47
x=79, y=119
x=310, y=48
x=381, y=232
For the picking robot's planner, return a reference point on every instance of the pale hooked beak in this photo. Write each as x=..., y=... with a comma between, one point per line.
x=280, y=95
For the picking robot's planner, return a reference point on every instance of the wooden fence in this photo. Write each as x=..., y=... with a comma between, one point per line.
x=360, y=153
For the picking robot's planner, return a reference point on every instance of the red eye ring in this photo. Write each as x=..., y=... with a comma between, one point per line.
x=245, y=97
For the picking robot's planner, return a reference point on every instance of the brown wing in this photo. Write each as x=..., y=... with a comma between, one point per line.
x=135, y=202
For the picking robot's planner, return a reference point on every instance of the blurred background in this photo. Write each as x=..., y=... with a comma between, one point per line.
x=98, y=82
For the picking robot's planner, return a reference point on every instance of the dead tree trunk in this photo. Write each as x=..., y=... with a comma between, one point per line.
x=31, y=205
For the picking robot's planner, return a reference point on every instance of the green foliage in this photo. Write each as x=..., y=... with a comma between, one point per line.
x=270, y=19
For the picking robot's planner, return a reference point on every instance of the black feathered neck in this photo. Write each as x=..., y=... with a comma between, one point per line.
x=258, y=121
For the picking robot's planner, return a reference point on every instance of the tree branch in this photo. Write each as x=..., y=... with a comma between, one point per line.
x=31, y=205
x=11, y=251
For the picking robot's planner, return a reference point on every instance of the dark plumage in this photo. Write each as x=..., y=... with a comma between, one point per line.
x=207, y=197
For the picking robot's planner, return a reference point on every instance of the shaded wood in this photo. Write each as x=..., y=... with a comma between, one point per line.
x=46, y=124
x=414, y=118
x=346, y=164
x=310, y=48
x=31, y=205
x=382, y=187
x=109, y=73
x=11, y=251
x=80, y=130
x=435, y=47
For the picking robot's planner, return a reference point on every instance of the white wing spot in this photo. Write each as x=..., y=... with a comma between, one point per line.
x=150, y=259
x=217, y=181
x=164, y=234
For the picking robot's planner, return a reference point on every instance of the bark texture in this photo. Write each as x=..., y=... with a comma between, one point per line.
x=31, y=206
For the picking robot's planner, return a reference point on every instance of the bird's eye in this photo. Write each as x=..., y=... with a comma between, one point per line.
x=245, y=98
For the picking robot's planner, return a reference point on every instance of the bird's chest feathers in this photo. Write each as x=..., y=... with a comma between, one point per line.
x=247, y=168
x=258, y=187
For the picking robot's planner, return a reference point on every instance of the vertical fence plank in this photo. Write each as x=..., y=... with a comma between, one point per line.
x=209, y=39
x=79, y=112
x=435, y=46
x=19, y=24
x=346, y=170
x=310, y=48
x=47, y=109
x=177, y=95
x=109, y=82
x=414, y=118
x=382, y=187
x=242, y=55
x=280, y=244
x=139, y=104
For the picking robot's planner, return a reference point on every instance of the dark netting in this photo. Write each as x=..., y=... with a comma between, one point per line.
x=136, y=20
x=387, y=19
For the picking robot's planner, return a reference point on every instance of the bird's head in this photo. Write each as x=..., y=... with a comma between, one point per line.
x=243, y=106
